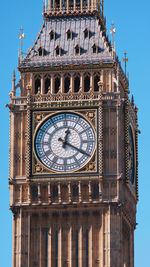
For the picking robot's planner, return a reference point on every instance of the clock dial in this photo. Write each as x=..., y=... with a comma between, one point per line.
x=65, y=142
x=131, y=156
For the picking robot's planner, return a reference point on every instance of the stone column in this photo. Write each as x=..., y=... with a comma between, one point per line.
x=49, y=192
x=53, y=5
x=50, y=247
x=110, y=81
x=59, y=246
x=81, y=6
x=50, y=6
x=45, y=5
x=91, y=82
x=70, y=247
x=52, y=83
x=82, y=82
x=102, y=232
x=29, y=238
x=99, y=247
x=90, y=192
x=12, y=145
x=80, y=197
x=69, y=191
x=72, y=83
x=92, y=5
x=80, y=248
x=67, y=5
x=20, y=238
x=90, y=245
x=42, y=84
x=60, y=5
x=59, y=193
x=13, y=242
x=62, y=83
x=41, y=254
x=29, y=194
x=100, y=190
x=21, y=144
x=39, y=193
x=74, y=5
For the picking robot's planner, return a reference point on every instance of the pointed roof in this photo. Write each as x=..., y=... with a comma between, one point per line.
x=77, y=25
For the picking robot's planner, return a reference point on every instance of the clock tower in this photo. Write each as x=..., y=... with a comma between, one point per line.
x=73, y=175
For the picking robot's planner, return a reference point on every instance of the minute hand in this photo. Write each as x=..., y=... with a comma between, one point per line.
x=78, y=149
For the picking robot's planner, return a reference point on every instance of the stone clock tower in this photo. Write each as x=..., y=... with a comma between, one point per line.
x=73, y=146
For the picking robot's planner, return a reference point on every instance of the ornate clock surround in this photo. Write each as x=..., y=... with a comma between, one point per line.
x=38, y=169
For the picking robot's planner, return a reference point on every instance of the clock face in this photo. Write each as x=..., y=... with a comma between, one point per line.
x=131, y=156
x=65, y=142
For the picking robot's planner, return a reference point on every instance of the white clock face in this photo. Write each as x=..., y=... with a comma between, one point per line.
x=65, y=142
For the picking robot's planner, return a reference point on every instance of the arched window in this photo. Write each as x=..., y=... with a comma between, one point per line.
x=47, y=85
x=96, y=80
x=67, y=84
x=75, y=190
x=57, y=85
x=76, y=84
x=55, y=192
x=37, y=85
x=34, y=193
x=95, y=191
x=86, y=83
x=64, y=193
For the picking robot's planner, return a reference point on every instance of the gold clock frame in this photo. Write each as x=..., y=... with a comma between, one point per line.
x=135, y=160
x=87, y=167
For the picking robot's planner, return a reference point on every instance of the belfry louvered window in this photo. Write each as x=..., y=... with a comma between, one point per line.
x=76, y=84
x=47, y=85
x=96, y=80
x=57, y=85
x=86, y=83
x=37, y=85
x=67, y=84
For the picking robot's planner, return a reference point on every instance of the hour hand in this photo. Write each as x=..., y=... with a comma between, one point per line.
x=67, y=132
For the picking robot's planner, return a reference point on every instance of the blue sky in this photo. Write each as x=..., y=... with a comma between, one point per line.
x=132, y=22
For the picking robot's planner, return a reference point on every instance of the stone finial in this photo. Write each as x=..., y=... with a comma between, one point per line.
x=132, y=100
